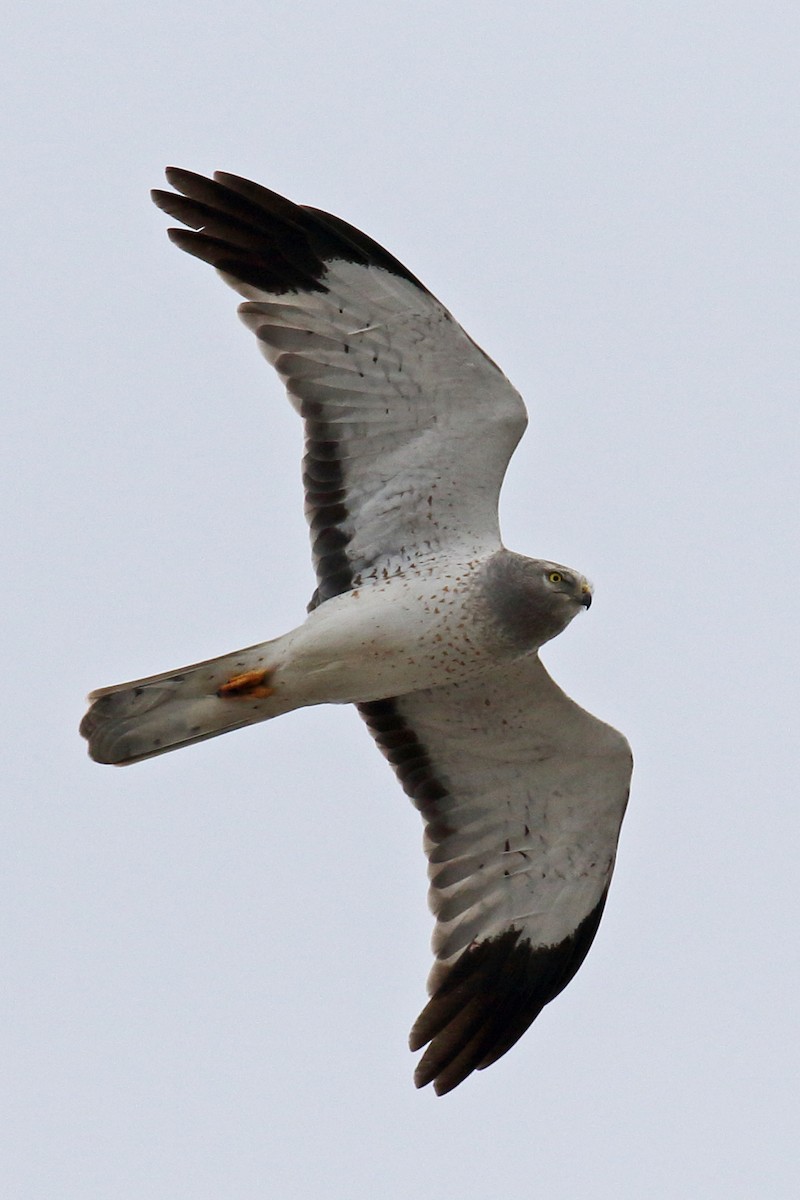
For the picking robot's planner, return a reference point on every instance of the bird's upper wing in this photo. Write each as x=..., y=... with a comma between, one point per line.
x=409, y=425
x=522, y=793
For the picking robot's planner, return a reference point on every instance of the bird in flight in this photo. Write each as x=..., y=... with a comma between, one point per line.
x=420, y=617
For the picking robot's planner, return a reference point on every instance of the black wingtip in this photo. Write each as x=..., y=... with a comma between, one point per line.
x=182, y=180
x=176, y=206
x=488, y=999
x=279, y=245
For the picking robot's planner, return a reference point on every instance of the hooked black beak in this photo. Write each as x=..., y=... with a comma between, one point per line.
x=586, y=596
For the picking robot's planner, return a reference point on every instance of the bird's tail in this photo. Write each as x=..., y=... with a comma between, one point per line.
x=137, y=720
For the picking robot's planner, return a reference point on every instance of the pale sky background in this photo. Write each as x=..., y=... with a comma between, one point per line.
x=211, y=961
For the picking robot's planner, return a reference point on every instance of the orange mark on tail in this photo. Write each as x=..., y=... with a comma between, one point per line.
x=250, y=685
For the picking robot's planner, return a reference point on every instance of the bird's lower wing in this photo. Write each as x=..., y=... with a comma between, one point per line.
x=522, y=793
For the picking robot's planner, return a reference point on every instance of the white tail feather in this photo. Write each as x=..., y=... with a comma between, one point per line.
x=146, y=717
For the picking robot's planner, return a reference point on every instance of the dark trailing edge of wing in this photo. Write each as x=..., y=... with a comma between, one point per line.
x=410, y=759
x=261, y=238
x=496, y=989
x=328, y=515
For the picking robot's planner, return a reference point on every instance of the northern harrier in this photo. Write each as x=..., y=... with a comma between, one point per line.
x=420, y=616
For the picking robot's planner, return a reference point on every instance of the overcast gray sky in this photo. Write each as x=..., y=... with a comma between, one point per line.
x=211, y=960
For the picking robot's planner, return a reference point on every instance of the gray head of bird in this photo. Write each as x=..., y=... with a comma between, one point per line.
x=533, y=600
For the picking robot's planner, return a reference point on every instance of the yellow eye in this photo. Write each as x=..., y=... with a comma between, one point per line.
x=555, y=577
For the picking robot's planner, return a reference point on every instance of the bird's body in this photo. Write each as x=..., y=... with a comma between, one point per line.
x=413, y=630
x=421, y=617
